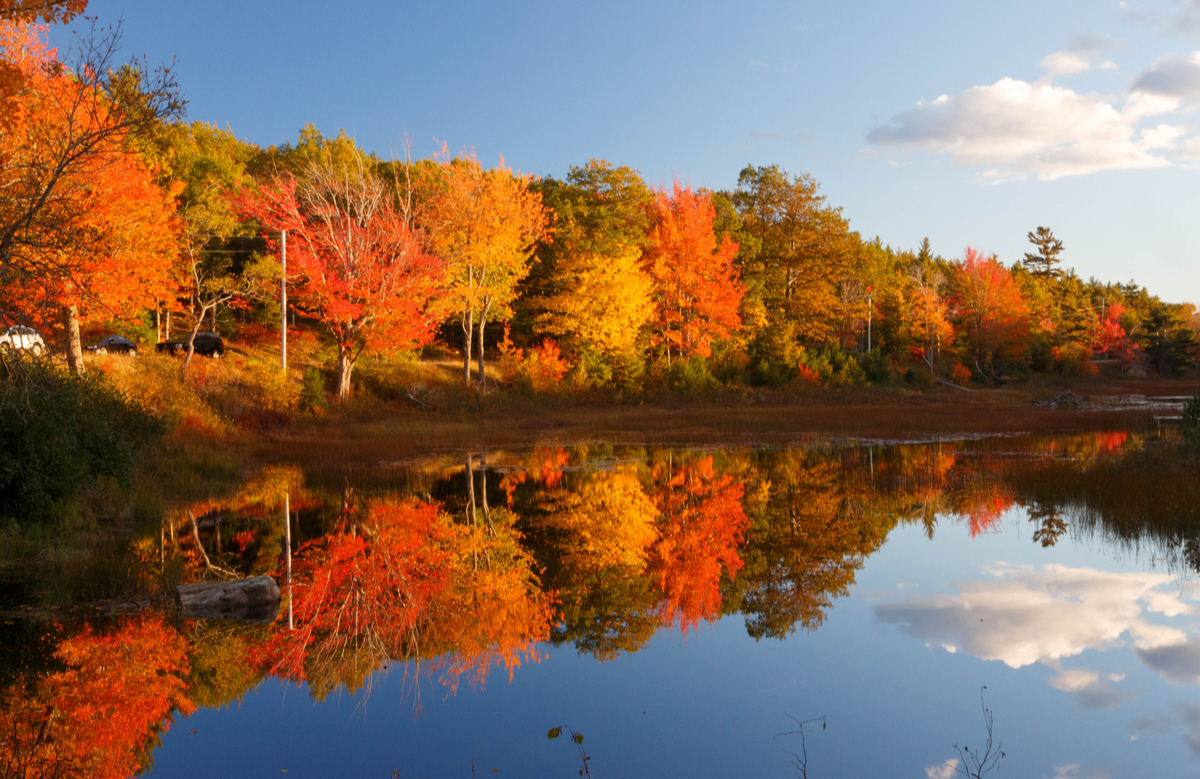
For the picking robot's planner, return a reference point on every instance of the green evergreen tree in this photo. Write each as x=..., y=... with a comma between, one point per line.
x=1042, y=263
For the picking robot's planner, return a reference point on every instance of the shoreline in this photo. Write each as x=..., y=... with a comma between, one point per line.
x=940, y=414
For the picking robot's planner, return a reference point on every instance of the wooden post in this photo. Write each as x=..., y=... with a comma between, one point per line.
x=283, y=304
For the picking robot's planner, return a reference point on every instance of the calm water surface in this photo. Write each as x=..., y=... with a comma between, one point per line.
x=682, y=609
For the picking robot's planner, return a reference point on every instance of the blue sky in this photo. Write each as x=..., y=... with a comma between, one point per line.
x=1080, y=116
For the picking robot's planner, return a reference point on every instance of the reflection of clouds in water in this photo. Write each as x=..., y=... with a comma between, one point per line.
x=1090, y=691
x=1161, y=724
x=1178, y=663
x=1022, y=616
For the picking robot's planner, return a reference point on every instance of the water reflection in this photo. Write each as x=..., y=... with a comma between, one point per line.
x=1021, y=617
x=456, y=567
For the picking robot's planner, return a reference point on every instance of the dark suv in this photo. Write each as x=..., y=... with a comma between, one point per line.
x=205, y=343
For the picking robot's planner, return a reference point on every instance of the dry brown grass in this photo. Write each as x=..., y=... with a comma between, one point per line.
x=407, y=433
x=241, y=402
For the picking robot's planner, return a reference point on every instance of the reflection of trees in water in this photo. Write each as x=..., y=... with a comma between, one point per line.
x=597, y=546
x=1145, y=502
x=99, y=717
x=810, y=530
x=596, y=530
x=1048, y=521
x=401, y=581
x=701, y=526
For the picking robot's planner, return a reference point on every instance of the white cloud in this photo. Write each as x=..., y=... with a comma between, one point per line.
x=1178, y=662
x=1083, y=52
x=1018, y=129
x=1090, y=691
x=1064, y=62
x=1073, y=681
x=946, y=770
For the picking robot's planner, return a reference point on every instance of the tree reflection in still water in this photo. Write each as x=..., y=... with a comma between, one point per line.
x=597, y=546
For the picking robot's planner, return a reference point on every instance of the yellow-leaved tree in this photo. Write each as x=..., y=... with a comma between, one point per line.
x=594, y=292
x=485, y=224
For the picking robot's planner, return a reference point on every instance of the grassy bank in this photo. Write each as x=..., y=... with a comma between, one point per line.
x=242, y=409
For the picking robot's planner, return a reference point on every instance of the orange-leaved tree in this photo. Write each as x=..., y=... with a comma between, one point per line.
x=65, y=135
x=485, y=224
x=928, y=326
x=101, y=715
x=364, y=273
x=122, y=268
x=696, y=290
x=992, y=314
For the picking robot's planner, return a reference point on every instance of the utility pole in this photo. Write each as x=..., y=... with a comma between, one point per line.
x=287, y=535
x=283, y=302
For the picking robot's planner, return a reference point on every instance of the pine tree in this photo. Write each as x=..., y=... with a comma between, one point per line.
x=1042, y=264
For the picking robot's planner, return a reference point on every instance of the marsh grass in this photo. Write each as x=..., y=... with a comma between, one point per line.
x=1146, y=500
x=1155, y=484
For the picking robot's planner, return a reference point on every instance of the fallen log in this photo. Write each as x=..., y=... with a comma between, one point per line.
x=246, y=600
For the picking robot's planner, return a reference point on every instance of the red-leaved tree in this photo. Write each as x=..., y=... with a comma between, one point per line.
x=363, y=272
x=696, y=290
x=991, y=312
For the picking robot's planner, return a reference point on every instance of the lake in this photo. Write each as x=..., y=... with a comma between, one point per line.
x=832, y=608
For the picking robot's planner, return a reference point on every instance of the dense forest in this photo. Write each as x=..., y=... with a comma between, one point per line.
x=120, y=217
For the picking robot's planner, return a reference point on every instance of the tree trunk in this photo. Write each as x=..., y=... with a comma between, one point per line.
x=245, y=600
x=74, y=347
x=468, y=326
x=191, y=345
x=345, y=366
x=168, y=334
x=482, y=374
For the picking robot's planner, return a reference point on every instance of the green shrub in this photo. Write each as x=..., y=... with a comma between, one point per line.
x=833, y=366
x=692, y=375
x=877, y=366
x=60, y=433
x=918, y=377
x=312, y=390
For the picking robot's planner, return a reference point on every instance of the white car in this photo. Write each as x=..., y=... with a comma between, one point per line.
x=21, y=338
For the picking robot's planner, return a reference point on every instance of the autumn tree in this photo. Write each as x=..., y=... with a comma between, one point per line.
x=696, y=291
x=123, y=267
x=61, y=129
x=48, y=11
x=212, y=166
x=591, y=288
x=485, y=224
x=363, y=271
x=928, y=326
x=1043, y=261
x=992, y=315
x=801, y=250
